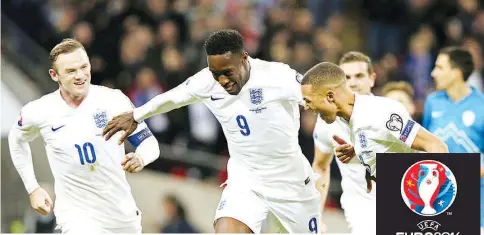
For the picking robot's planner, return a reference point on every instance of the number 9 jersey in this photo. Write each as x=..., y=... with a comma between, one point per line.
x=266, y=170
x=261, y=126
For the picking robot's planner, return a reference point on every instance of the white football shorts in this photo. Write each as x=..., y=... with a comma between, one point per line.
x=251, y=208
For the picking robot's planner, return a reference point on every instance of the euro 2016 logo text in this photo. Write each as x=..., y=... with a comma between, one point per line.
x=429, y=227
x=428, y=188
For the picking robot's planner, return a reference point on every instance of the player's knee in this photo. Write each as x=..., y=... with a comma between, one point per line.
x=230, y=225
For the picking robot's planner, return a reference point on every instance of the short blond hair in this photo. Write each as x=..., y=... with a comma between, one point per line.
x=398, y=86
x=354, y=56
x=324, y=74
x=67, y=45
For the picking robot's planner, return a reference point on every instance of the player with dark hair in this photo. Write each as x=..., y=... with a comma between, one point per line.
x=454, y=112
x=257, y=104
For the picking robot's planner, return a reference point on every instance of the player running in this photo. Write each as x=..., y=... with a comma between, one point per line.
x=92, y=193
x=257, y=104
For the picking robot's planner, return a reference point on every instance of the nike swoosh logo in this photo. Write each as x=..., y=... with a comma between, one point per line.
x=214, y=99
x=55, y=129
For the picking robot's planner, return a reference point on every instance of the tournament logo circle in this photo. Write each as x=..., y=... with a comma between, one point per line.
x=428, y=188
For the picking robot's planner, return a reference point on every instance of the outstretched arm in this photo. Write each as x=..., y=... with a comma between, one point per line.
x=427, y=142
x=128, y=122
x=172, y=99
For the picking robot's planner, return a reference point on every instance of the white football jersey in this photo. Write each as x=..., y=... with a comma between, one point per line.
x=89, y=178
x=261, y=126
x=380, y=125
x=353, y=173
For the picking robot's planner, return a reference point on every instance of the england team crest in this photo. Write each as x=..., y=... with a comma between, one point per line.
x=101, y=119
x=256, y=96
x=362, y=139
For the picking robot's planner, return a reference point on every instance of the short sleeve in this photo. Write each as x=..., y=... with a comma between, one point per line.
x=400, y=124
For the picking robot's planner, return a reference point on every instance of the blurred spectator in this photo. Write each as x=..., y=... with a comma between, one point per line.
x=467, y=11
x=476, y=79
x=145, y=88
x=454, y=32
x=327, y=46
x=323, y=9
x=419, y=62
x=303, y=57
x=175, y=220
x=478, y=28
x=83, y=32
x=386, y=20
x=400, y=91
x=388, y=69
x=302, y=25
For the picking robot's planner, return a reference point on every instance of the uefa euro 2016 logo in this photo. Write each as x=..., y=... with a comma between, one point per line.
x=428, y=188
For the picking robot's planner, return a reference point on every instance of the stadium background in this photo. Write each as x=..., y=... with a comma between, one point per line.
x=145, y=47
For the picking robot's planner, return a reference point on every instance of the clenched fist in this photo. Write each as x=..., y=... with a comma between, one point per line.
x=41, y=201
x=132, y=163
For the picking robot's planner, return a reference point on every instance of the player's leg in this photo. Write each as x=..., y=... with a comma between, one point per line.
x=363, y=222
x=80, y=225
x=231, y=225
x=298, y=216
x=360, y=213
x=239, y=211
x=131, y=228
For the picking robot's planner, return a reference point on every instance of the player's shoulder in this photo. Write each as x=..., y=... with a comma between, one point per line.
x=384, y=101
x=321, y=125
x=369, y=101
x=200, y=82
x=435, y=96
x=321, y=129
x=478, y=96
x=202, y=74
x=274, y=73
x=270, y=66
x=476, y=102
x=42, y=103
x=267, y=65
x=107, y=92
x=372, y=106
